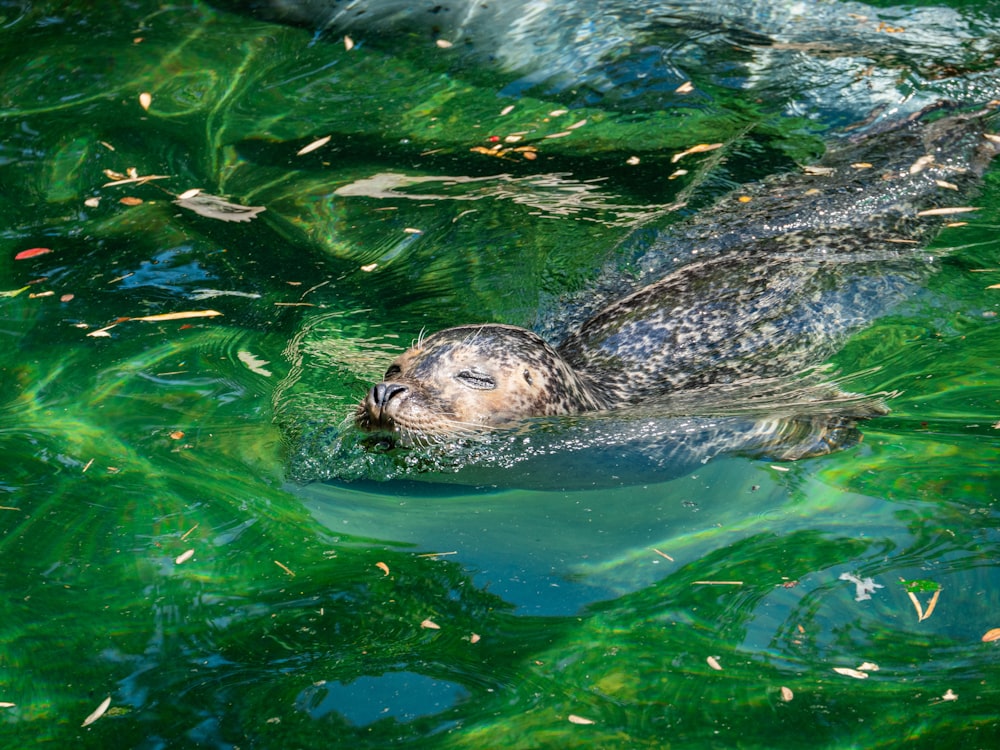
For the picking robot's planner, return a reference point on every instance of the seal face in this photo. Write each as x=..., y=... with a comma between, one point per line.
x=474, y=377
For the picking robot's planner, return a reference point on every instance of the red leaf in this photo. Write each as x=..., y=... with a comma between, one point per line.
x=32, y=253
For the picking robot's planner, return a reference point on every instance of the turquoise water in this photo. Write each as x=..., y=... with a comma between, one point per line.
x=416, y=613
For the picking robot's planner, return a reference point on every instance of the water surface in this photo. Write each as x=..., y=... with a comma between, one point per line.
x=425, y=614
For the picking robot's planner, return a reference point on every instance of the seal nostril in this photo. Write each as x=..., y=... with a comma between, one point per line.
x=382, y=393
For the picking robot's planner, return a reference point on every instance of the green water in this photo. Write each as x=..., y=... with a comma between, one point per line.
x=305, y=616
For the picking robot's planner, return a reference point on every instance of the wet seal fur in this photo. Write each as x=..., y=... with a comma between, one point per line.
x=761, y=288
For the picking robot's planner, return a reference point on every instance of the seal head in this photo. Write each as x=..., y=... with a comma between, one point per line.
x=464, y=379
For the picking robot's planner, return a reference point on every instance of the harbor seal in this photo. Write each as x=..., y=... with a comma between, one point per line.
x=766, y=284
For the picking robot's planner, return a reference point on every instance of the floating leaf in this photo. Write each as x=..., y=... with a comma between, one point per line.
x=318, y=143
x=993, y=634
x=786, y=694
x=348, y=43
x=183, y=557
x=574, y=719
x=98, y=712
x=430, y=624
x=32, y=253
x=847, y=671
x=947, y=211
x=383, y=567
x=685, y=88
x=921, y=164
x=179, y=315
x=145, y=99
x=698, y=149
x=214, y=207
x=714, y=663
x=474, y=638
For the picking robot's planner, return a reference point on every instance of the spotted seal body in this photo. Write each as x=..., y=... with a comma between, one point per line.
x=765, y=284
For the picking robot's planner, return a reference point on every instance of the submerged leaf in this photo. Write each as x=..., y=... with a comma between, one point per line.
x=214, y=207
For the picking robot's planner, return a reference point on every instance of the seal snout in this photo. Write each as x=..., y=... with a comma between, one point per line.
x=378, y=401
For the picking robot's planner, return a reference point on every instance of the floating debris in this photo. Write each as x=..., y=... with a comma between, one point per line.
x=848, y=672
x=947, y=211
x=145, y=99
x=698, y=149
x=318, y=143
x=33, y=252
x=214, y=207
x=865, y=586
x=183, y=557
x=254, y=363
x=98, y=712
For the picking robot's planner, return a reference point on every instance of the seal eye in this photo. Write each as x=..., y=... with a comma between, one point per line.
x=393, y=370
x=476, y=379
